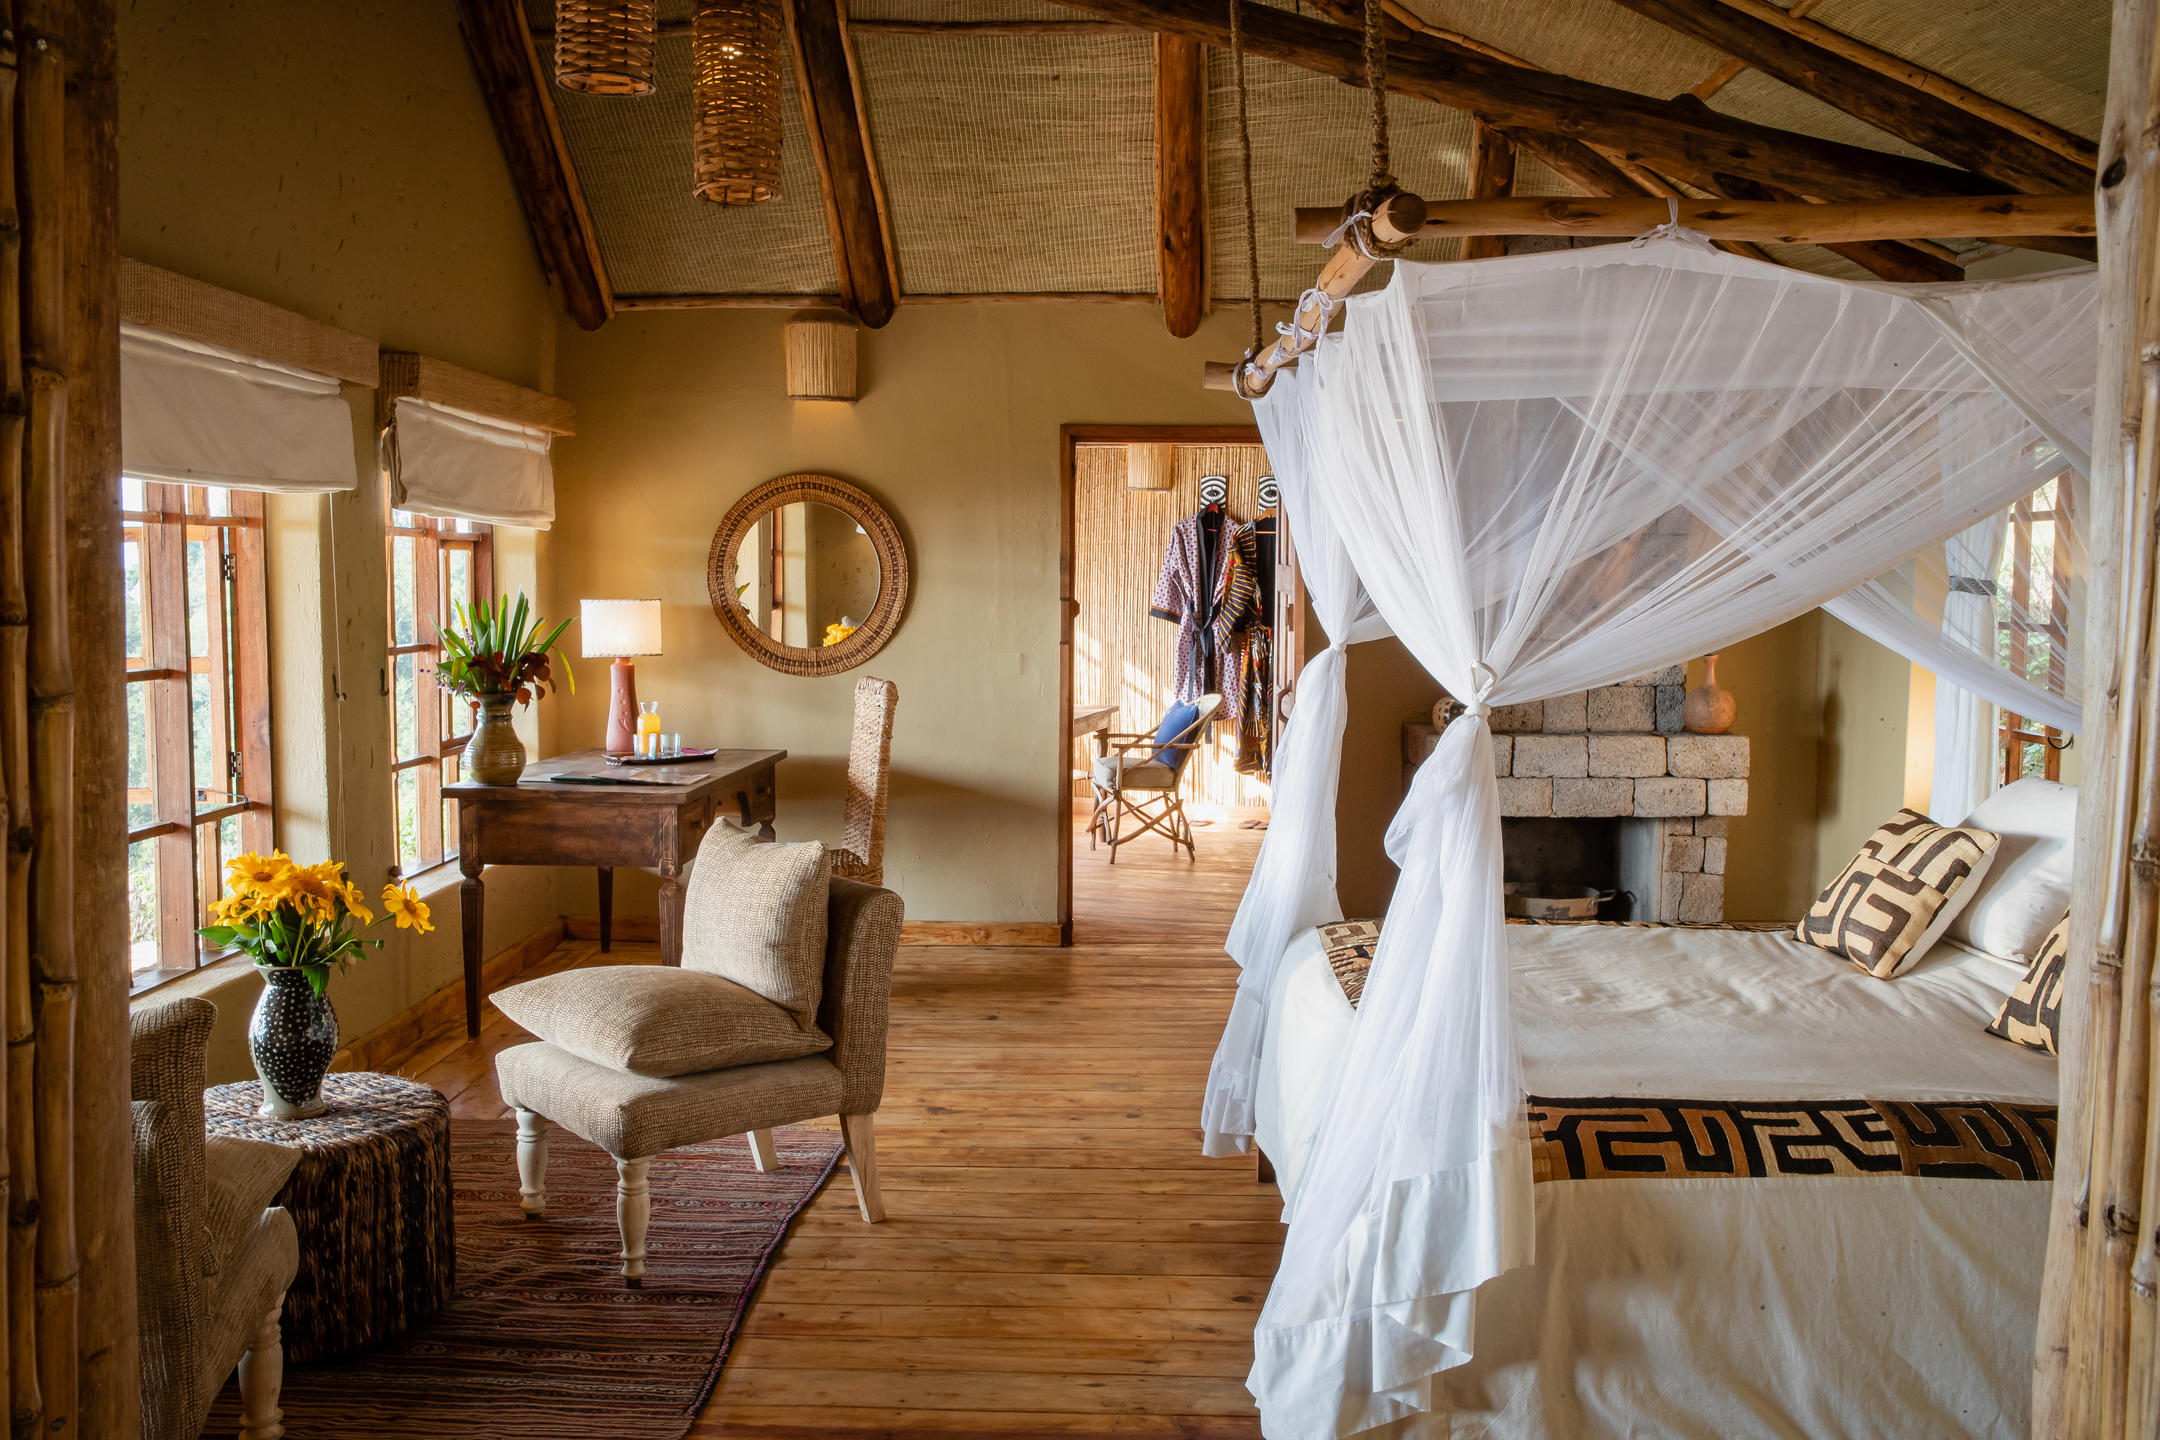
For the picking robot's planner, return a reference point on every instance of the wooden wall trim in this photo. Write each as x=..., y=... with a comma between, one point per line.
x=196, y=310
x=441, y=383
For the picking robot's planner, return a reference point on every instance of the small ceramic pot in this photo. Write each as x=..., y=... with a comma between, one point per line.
x=1710, y=708
x=292, y=1037
x=495, y=755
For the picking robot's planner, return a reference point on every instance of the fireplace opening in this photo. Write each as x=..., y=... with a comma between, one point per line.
x=1588, y=851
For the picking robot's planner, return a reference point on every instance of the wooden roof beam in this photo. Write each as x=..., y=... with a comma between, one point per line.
x=1926, y=120
x=1685, y=141
x=1181, y=182
x=833, y=113
x=1775, y=222
x=1492, y=177
x=501, y=47
x=1884, y=259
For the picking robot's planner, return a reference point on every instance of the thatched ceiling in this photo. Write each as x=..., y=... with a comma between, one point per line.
x=1026, y=163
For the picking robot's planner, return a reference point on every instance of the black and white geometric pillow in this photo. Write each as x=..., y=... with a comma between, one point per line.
x=2030, y=1013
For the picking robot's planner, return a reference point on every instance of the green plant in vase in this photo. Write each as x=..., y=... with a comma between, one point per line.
x=498, y=655
x=295, y=922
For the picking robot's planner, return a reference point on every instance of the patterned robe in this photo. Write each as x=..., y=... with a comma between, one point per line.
x=1209, y=608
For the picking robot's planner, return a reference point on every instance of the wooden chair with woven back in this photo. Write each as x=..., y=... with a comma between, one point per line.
x=1139, y=778
x=861, y=855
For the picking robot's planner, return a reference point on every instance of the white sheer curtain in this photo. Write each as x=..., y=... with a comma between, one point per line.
x=1293, y=880
x=1964, y=720
x=1554, y=472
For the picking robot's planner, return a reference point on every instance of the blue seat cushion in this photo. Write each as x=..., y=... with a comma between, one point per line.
x=1175, y=722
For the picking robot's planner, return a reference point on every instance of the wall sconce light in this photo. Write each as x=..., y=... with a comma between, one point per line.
x=821, y=358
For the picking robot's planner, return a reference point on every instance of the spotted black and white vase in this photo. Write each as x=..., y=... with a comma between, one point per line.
x=292, y=1037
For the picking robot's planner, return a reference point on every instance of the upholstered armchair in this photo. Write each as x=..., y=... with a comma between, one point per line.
x=619, y=1042
x=212, y=1258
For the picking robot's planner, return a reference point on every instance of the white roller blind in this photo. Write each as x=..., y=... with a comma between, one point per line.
x=454, y=463
x=194, y=414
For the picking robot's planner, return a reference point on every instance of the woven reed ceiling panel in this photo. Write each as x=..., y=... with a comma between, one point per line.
x=1015, y=163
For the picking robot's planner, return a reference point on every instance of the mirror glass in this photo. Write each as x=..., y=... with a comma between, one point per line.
x=806, y=574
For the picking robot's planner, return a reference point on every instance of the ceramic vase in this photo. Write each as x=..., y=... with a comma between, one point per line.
x=495, y=755
x=1710, y=708
x=292, y=1037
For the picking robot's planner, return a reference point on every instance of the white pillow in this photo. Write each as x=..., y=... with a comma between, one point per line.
x=2025, y=892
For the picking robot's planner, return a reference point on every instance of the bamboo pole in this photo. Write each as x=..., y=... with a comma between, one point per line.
x=42, y=148
x=1776, y=222
x=17, y=1260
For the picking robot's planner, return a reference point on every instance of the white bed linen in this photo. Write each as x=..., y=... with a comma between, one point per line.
x=1765, y=1307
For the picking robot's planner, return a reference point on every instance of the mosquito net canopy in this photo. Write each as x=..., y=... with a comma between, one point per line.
x=1546, y=473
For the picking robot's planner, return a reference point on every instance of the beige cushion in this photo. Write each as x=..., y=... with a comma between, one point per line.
x=632, y=1116
x=1114, y=772
x=755, y=914
x=657, y=1020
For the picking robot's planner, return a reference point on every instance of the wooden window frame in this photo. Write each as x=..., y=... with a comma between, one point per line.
x=439, y=737
x=188, y=810
x=2015, y=733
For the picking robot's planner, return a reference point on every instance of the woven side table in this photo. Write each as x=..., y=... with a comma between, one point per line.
x=371, y=1200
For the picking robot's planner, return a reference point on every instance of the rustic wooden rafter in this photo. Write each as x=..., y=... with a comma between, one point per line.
x=838, y=125
x=1785, y=223
x=1181, y=181
x=1884, y=259
x=1682, y=140
x=1928, y=121
x=1492, y=177
x=501, y=46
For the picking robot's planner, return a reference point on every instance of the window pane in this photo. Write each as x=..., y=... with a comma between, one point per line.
x=209, y=767
x=140, y=775
x=405, y=706
x=408, y=819
x=131, y=494
x=451, y=769
x=457, y=569
x=198, y=596
x=131, y=585
x=142, y=906
x=404, y=612
x=404, y=519
x=220, y=500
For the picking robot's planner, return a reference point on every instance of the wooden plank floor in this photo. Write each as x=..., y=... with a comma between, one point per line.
x=1059, y=1258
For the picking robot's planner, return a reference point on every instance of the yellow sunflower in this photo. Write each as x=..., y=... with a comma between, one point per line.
x=403, y=903
x=357, y=904
x=264, y=876
x=315, y=890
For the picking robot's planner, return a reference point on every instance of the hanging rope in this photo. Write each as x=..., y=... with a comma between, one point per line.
x=1376, y=87
x=1252, y=225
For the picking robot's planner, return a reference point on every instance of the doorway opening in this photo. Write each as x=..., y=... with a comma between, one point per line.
x=1178, y=581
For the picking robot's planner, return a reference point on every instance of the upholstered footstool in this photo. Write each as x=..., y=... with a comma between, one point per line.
x=776, y=1015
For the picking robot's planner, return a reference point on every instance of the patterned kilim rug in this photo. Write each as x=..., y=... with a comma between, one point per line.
x=541, y=1339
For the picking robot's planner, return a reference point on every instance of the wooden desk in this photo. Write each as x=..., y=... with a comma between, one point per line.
x=537, y=823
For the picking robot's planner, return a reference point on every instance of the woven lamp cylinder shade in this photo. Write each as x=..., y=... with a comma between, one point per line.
x=820, y=359
x=1150, y=467
x=736, y=50
x=605, y=47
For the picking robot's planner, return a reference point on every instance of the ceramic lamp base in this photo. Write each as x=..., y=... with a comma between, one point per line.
x=622, y=708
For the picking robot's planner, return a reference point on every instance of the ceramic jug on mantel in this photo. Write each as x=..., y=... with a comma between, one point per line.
x=1709, y=708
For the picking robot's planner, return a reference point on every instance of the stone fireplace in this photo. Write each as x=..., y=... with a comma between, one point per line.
x=1602, y=788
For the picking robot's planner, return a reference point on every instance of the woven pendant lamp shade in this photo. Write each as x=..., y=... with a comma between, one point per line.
x=1150, y=467
x=736, y=50
x=605, y=47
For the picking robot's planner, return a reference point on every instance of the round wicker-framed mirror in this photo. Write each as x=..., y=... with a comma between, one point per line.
x=808, y=574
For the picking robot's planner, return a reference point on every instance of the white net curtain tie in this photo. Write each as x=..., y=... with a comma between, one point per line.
x=1547, y=473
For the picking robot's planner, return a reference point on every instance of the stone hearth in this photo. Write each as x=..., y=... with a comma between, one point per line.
x=1618, y=752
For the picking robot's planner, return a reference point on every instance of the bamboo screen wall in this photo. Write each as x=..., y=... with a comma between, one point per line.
x=1121, y=654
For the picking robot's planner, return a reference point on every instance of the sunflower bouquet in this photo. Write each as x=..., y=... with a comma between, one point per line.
x=304, y=917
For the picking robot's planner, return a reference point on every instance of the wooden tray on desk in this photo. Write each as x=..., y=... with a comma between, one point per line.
x=680, y=757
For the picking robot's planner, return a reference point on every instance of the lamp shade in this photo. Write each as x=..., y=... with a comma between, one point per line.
x=619, y=627
x=820, y=358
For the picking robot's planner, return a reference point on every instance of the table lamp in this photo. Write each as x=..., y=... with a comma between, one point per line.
x=619, y=629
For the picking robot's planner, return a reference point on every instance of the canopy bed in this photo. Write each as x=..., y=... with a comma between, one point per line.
x=1546, y=473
